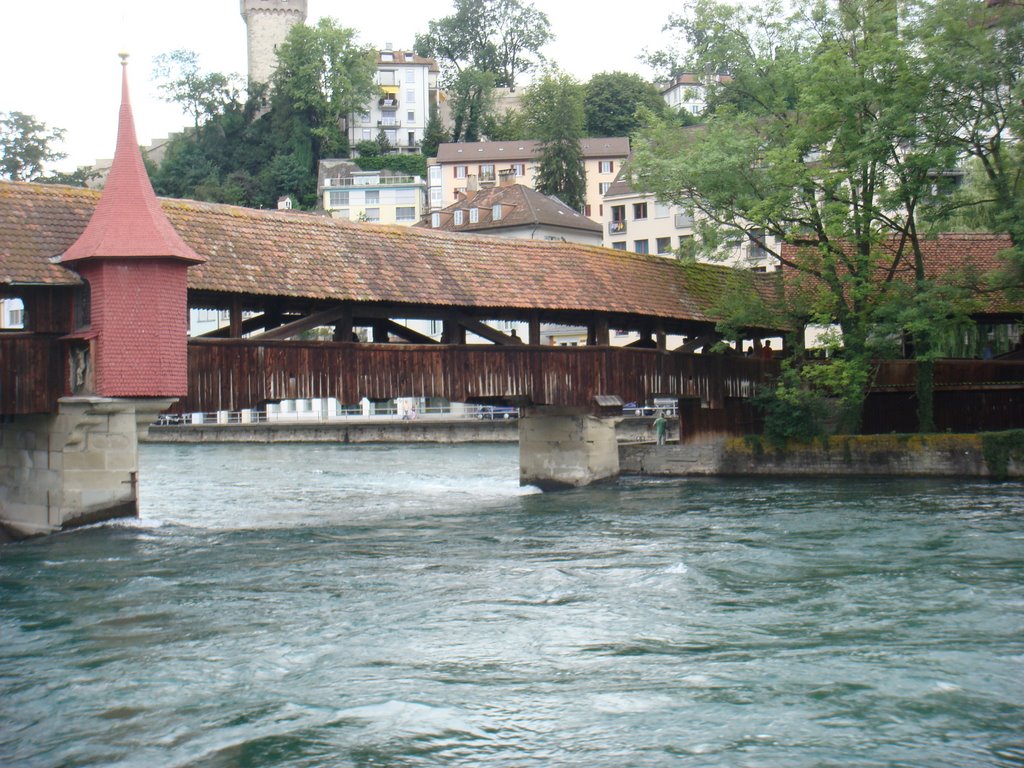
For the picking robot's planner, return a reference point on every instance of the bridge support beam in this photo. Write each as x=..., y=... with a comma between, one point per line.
x=563, y=448
x=76, y=467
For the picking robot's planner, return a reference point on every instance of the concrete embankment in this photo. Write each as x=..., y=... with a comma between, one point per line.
x=428, y=430
x=996, y=455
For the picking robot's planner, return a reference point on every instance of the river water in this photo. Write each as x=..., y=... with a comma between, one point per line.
x=371, y=606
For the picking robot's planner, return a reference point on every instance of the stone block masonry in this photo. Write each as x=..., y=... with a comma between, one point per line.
x=72, y=468
x=995, y=455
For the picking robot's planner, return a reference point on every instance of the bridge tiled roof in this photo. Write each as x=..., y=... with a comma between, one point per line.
x=314, y=257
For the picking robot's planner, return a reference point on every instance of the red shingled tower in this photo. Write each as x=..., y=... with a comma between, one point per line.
x=135, y=264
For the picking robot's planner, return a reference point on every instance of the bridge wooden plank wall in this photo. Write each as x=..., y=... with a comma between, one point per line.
x=32, y=373
x=233, y=374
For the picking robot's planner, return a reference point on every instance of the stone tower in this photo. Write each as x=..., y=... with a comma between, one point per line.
x=267, y=23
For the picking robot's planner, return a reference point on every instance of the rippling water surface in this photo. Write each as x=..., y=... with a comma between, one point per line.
x=307, y=605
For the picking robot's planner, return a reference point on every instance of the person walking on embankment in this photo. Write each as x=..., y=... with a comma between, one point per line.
x=660, y=427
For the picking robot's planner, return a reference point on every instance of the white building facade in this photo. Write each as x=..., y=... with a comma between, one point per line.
x=408, y=89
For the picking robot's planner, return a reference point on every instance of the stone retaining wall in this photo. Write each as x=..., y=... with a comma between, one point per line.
x=861, y=455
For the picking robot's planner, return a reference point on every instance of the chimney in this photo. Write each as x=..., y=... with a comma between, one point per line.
x=472, y=183
x=506, y=177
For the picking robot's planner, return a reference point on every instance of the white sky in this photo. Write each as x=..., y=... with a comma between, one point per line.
x=59, y=57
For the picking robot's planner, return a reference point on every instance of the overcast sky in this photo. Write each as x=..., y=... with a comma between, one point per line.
x=60, y=64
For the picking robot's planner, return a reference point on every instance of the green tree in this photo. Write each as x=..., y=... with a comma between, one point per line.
x=615, y=102
x=201, y=95
x=497, y=36
x=817, y=141
x=323, y=76
x=554, y=110
x=471, y=103
x=434, y=134
x=26, y=146
x=973, y=57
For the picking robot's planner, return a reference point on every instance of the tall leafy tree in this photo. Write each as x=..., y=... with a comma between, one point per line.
x=472, y=101
x=817, y=140
x=503, y=37
x=26, y=145
x=201, y=95
x=323, y=76
x=554, y=109
x=973, y=57
x=614, y=102
x=434, y=134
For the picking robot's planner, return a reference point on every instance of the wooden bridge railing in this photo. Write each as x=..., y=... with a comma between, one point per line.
x=233, y=374
x=31, y=373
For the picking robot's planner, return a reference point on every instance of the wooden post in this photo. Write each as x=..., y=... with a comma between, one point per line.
x=343, y=328
x=534, y=332
x=236, y=318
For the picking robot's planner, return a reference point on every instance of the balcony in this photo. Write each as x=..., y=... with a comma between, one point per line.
x=381, y=181
x=386, y=125
x=616, y=227
x=388, y=103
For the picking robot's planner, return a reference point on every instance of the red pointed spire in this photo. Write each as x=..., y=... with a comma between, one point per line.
x=128, y=221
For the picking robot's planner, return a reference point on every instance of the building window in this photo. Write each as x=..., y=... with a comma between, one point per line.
x=519, y=168
x=412, y=138
x=338, y=198
x=341, y=213
x=410, y=97
x=367, y=134
x=410, y=76
x=410, y=116
x=460, y=171
x=664, y=245
x=606, y=166
x=434, y=173
x=388, y=120
x=435, y=196
x=640, y=246
x=619, y=246
x=405, y=196
x=365, y=117
x=487, y=172
x=496, y=212
x=386, y=77
x=435, y=220
x=639, y=211
x=586, y=210
x=474, y=215
x=661, y=211
x=603, y=186
x=458, y=218
x=405, y=213
x=371, y=214
x=372, y=197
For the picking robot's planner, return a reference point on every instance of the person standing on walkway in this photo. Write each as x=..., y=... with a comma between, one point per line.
x=660, y=427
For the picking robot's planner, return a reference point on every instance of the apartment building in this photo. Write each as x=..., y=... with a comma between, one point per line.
x=517, y=211
x=637, y=221
x=687, y=91
x=383, y=197
x=457, y=165
x=408, y=88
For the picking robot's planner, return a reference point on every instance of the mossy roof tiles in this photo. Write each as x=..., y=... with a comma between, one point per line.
x=307, y=256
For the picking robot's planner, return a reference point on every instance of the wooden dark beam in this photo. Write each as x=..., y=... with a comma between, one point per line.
x=324, y=317
x=343, y=328
x=235, y=324
x=692, y=345
x=485, y=331
x=534, y=322
x=402, y=332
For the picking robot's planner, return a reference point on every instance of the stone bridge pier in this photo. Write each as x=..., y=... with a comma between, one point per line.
x=75, y=467
x=563, y=448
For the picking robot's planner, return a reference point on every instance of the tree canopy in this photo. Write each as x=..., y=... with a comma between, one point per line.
x=818, y=140
x=26, y=145
x=554, y=114
x=503, y=37
x=254, y=151
x=614, y=103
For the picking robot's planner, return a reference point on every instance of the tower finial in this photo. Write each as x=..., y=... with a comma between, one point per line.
x=124, y=58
